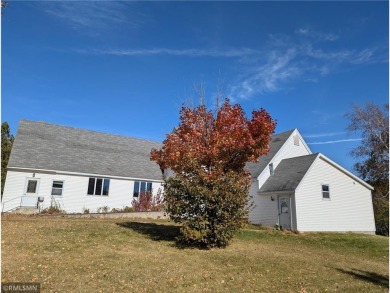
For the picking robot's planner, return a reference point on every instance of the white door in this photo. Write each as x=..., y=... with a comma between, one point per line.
x=284, y=212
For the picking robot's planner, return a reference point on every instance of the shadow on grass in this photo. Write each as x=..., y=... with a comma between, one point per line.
x=154, y=231
x=371, y=277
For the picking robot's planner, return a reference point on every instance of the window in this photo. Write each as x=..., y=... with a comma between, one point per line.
x=141, y=186
x=296, y=140
x=271, y=168
x=31, y=186
x=325, y=192
x=57, y=187
x=98, y=186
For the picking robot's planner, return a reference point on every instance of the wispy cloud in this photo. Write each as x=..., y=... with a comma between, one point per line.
x=328, y=134
x=94, y=15
x=292, y=59
x=364, y=56
x=240, y=52
x=336, y=141
x=316, y=34
x=282, y=60
x=277, y=69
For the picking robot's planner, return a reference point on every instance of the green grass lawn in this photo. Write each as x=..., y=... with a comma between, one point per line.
x=119, y=255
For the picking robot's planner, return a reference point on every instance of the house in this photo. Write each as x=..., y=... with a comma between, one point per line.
x=81, y=169
x=77, y=169
x=296, y=189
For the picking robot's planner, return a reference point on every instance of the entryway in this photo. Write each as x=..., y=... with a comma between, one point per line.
x=284, y=211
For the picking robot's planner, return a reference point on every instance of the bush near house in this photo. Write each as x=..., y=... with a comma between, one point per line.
x=54, y=208
x=146, y=202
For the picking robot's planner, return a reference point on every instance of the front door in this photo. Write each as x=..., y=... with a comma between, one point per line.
x=285, y=212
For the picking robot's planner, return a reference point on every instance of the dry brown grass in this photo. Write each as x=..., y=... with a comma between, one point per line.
x=118, y=255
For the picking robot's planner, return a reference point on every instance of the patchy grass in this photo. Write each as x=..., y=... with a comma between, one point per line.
x=118, y=255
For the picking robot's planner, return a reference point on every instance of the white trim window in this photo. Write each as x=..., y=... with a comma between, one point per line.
x=325, y=191
x=296, y=140
x=57, y=187
x=98, y=186
x=141, y=186
x=32, y=185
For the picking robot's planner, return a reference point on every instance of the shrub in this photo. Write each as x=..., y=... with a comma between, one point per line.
x=103, y=209
x=146, y=202
x=210, y=210
x=54, y=208
x=125, y=209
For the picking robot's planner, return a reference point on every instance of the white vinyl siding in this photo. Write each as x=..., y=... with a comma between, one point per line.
x=74, y=197
x=264, y=210
x=350, y=207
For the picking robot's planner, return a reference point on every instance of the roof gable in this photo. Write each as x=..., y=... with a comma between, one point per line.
x=40, y=145
x=277, y=141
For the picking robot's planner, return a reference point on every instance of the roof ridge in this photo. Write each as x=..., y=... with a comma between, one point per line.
x=284, y=132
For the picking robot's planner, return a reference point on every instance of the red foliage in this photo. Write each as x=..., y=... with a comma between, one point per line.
x=146, y=202
x=218, y=144
x=208, y=194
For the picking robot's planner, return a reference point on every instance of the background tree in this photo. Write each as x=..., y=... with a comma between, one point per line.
x=373, y=124
x=209, y=190
x=7, y=139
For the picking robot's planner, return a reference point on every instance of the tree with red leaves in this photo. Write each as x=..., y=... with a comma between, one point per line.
x=207, y=152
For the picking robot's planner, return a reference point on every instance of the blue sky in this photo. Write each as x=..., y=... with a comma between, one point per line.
x=127, y=67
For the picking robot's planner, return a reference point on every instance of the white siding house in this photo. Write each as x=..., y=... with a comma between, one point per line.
x=77, y=169
x=284, y=145
x=307, y=192
x=80, y=169
x=347, y=206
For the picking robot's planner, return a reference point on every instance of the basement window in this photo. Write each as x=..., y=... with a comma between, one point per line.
x=325, y=191
x=98, y=186
x=141, y=186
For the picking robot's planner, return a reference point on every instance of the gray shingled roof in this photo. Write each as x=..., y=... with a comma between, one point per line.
x=276, y=143
x=288, y=174
x=41, y=145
